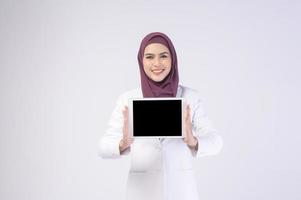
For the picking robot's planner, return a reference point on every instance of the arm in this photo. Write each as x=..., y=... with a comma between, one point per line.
x=209, y=142
x=111, y=144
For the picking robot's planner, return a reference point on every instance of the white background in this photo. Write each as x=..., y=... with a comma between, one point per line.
x=63, y=64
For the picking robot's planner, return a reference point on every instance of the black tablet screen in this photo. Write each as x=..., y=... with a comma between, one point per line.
x=157, y=118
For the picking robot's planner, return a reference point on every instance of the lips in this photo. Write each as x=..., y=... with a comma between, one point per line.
x=157, y=71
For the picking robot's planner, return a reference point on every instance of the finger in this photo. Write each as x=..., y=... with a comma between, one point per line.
x=125, y=113
x=125, y=128
x=185, y=131
x=186, y=112
x=125, y=122
x=125, y=131
x=189, y=114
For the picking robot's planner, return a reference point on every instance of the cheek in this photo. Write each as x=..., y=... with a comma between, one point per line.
x=168, y=70
x=168, y=65
x=146, y=65
x=146, y=71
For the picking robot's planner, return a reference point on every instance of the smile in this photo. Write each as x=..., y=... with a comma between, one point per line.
x=158, y=71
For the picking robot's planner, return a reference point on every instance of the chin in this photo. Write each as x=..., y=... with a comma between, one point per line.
x=158, y=79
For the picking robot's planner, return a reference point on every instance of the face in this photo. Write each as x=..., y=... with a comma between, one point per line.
x=156, y=61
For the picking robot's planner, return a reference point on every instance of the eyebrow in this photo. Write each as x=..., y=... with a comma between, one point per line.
x=165, y=52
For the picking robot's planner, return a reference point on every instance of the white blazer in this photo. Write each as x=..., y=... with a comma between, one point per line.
x=162, y=169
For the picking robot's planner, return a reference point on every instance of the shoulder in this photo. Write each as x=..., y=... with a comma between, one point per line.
x=135, y=92
x=194, y=98
x=190, y=93
x=132, y=93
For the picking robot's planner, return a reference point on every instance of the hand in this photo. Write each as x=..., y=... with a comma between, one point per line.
x=126, y=140
x=189, y=139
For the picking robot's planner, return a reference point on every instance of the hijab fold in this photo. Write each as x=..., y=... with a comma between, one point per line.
x=169, y=85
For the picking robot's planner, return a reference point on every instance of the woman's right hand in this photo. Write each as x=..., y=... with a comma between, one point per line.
x=126, y=140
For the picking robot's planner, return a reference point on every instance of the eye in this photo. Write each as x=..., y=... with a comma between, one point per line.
x=149, y=57
x=163, y=56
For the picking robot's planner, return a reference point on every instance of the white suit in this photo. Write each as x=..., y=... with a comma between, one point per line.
x=162, y=169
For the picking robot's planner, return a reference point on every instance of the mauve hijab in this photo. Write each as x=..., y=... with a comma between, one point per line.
x=169, y=85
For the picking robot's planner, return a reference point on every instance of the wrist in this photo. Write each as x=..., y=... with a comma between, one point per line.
x=123, y=144
x=194, y=143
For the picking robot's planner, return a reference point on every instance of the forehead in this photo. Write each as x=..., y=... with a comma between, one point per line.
x=155, y=48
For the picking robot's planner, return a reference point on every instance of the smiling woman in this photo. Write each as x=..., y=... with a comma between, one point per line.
x=156, y=61
x=160, y=169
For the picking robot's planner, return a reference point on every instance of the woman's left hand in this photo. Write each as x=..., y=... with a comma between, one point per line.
x=189, y=139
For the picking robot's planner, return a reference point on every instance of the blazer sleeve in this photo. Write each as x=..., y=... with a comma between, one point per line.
x=209, y=140
x=108, y=145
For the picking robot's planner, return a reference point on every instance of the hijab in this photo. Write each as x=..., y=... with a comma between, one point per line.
x=169, y=85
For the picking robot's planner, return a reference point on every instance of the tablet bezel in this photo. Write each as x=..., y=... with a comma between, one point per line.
x=130, y=103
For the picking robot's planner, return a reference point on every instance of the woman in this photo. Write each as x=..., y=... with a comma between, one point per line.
x=161, y=169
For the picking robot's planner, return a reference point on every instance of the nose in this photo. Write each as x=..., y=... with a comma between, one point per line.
x=156, y=62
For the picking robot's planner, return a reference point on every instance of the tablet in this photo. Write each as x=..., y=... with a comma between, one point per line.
x=156, y=117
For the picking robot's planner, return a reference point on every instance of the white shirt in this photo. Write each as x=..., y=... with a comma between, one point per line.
x=163, y=167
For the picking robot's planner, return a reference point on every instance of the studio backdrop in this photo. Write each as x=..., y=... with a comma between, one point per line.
x=64, y=63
